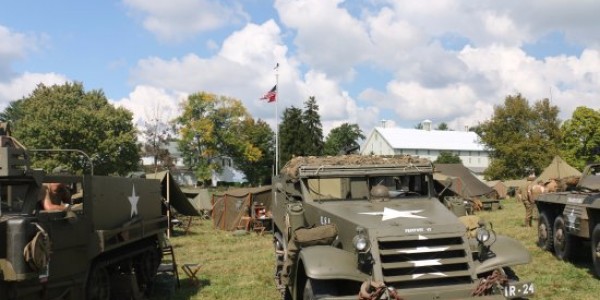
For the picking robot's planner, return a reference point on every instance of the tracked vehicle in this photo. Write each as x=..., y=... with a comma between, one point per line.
x=373, y=227
x=569, y=218
x=107, y=241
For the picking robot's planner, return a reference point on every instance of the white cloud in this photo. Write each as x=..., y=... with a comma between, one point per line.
x=176, y=20
x=150, y=103
x=14, y=46
x=23, y=85
x=321, y=24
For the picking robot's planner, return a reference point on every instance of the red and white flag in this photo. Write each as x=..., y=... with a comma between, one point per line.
x=271, y=95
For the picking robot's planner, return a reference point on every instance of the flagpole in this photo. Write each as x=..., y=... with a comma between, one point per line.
x=277, y=119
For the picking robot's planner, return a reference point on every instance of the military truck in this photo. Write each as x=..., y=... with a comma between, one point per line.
x=373, y=226
x=569, y=218
x=108, y=240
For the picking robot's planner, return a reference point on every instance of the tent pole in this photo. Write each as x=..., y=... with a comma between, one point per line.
x=168, y=205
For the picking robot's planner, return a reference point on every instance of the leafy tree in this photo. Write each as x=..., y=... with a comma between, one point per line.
x=443, y=127
x=212, y=126
x=447, y=157
x=312, y=123
x=293, y=136
x=156, y=134
x=12, y=112
x=520, y=138
x=260, y=134
x=343, y=137
x=581, y=137
x=67, y=117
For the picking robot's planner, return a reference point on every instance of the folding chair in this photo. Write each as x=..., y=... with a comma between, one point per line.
x=191, y=271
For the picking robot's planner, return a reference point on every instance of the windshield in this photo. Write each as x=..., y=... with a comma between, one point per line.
x=591, y=179
x=360, y=188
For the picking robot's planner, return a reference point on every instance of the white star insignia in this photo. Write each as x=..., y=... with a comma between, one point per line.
x=423, y=250
x=415, y=276
x=133, y=199
x=425, y=263
x=388, y=214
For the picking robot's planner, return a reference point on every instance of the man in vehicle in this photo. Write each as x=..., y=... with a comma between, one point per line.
x=55, y=196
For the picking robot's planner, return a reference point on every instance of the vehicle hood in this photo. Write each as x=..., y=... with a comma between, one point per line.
x=411, y=216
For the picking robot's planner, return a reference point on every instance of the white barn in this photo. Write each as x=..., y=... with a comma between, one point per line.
x=429, y=144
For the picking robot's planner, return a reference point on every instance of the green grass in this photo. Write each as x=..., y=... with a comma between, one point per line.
x=554, y=279
x=241, y=267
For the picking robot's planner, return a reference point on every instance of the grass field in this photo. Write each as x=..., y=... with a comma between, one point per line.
x=241, y=267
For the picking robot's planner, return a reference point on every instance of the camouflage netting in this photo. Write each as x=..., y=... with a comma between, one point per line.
x=291, y=167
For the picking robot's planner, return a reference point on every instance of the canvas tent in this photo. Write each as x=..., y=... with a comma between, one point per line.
x=558, y=169
x=500, y=188
x=230, y=206
x=464, y=183
x=175, y=197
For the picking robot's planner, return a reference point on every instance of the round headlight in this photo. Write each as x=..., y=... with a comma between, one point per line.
x=361, y=243
x=483, y=235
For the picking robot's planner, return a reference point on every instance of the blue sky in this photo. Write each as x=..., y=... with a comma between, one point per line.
x=403, y=61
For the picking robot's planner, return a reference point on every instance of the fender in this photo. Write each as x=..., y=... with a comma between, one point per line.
x=326, y=262
x=509, y=252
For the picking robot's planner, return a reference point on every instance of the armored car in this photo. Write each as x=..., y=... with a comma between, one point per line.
x=372, y=227
x=569, y=218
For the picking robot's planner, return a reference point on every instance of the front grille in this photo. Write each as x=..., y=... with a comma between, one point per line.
x=424, y=262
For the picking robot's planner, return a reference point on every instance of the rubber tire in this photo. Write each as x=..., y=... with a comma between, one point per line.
x=596, y=249
x=98, y=284
x=317, y=289
x=544, y=224
x=563, y=249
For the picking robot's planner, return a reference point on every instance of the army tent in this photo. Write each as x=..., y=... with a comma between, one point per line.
x=464, y=183
x=174, y=196
x=231, y=206
x=558, y=169
x=499, y=187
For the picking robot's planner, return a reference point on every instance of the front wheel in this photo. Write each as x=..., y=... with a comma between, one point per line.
x=317, y=289
x=98, y=284
x=563, y=241
x=545, y=237
x=596, y=249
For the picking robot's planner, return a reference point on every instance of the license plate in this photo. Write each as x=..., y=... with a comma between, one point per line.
x=519, y=289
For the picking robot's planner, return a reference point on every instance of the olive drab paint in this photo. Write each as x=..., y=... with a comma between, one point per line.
x=111, y=232
x=391, y=231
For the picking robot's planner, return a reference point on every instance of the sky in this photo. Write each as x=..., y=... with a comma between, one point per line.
x=365, y=62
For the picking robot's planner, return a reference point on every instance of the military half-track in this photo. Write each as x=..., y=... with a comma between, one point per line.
x=108, y=240
x=569, y=218
x=373, y=227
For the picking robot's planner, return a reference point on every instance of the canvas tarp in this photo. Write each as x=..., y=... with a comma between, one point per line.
x=175, y=196
x=464, y=182
x=230, y=206
x=558, y=169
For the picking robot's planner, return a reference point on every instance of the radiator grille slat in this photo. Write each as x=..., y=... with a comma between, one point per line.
x=413, y=263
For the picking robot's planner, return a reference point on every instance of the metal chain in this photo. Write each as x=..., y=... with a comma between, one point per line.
x=486, y=285
x=373, y=290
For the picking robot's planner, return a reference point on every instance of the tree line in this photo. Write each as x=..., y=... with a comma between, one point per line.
x=521, y=138
x=210, y=127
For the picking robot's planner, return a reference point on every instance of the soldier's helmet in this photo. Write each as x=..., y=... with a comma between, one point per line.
x=380, y=192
